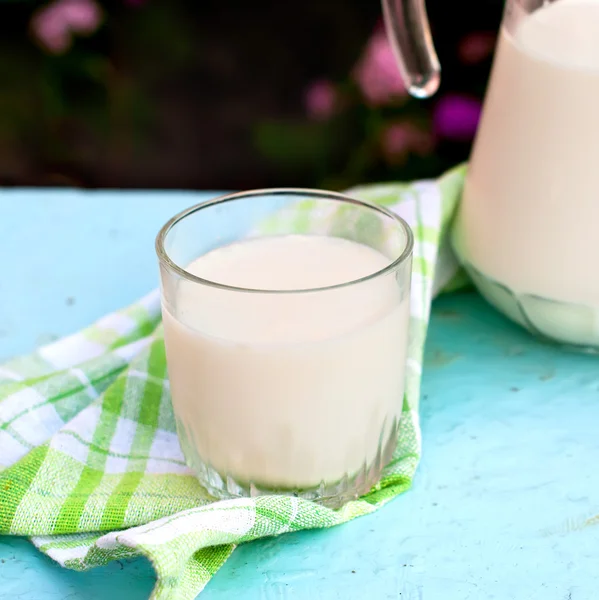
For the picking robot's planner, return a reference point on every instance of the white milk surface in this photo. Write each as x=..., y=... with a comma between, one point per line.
x=288, y=389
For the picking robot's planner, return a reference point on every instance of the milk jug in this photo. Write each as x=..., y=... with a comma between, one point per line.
x=527, y=229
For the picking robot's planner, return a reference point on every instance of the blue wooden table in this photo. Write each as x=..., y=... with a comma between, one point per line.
x=506, y=501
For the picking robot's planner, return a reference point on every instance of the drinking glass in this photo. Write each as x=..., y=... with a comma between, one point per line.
x=310, y=406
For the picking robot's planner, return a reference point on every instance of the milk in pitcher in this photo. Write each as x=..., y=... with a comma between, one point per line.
x=528, y=226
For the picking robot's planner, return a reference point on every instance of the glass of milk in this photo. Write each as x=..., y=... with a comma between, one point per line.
x=526, y=229
x=286, y=316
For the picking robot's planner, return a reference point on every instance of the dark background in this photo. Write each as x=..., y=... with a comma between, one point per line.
x=211, y=94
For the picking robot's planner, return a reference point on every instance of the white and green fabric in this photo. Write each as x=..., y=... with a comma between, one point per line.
x=90, y=464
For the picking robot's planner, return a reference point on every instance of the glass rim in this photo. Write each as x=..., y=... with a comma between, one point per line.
x=165, y=259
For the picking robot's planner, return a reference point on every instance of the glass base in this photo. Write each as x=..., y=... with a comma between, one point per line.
x=332, y=494
x=573, y=326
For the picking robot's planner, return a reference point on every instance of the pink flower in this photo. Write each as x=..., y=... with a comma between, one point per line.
x=320, y=99
x=476, y=47
x=401, y=139
x=456, y=117
x=54, y=24
x=50, y=29
x=377, y=72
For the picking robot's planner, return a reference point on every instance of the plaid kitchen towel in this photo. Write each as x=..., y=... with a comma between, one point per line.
x=90, y=464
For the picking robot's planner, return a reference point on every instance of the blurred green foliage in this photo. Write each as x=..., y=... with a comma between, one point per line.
x=181, y=94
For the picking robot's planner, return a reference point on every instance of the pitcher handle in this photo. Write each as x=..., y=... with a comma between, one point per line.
x=409, y=31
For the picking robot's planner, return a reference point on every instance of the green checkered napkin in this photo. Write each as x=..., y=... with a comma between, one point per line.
x=90, y=464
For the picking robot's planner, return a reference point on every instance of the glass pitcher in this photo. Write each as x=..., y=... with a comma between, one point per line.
x=527, y=229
